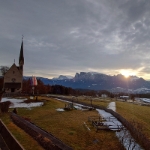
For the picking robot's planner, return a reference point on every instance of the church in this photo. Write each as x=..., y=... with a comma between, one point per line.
x=14, y=76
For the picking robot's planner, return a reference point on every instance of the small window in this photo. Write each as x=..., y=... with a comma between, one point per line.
x=13, y=72
x=13, y=79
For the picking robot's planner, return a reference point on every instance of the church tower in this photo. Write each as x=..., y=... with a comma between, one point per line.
x=21, y=59
x=14, y=76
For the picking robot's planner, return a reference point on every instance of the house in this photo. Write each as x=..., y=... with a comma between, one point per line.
x=104, y=96
x=14, y=76
x=124, y=97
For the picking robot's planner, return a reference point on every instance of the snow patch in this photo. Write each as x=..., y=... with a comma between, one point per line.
x=19, y=103
x=112, y=106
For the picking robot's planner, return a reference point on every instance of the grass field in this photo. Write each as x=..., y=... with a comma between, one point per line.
x=137, y=113
x=131, y=112
x=24, y=139
x=68, y=126
x=96, y=101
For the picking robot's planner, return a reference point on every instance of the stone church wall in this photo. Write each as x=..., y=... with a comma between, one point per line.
x=13, y=75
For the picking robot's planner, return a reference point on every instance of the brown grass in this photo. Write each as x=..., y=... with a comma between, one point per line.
x=24, y=139
x=68, y=126
x=137, y=113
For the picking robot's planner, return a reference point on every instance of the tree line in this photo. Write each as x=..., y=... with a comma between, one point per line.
x=52, y=89
x=57, y=89
x=40, y=88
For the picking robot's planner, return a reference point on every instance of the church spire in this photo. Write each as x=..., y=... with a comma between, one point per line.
x=21, y=57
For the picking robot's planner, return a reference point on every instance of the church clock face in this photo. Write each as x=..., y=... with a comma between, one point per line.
x=13, y=79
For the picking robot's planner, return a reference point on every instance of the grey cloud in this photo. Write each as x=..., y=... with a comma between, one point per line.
x=135, y=9
x=72, y=36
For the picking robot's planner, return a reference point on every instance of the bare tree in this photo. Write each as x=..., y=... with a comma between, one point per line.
x=4, y=69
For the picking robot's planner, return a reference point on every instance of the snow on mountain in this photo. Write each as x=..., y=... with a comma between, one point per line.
x=133, y=78
x=62, y=77
x=142, y=90
x=98, y=81
x=88, y=76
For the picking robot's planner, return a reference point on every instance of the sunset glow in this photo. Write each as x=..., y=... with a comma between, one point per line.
x=127, y=73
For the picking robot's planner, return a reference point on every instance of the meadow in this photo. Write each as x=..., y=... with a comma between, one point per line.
x=133, y=112
x=137, y=114
x=68, y=126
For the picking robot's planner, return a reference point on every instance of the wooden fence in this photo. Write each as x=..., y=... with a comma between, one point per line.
x=45, y=139
x=9, y=139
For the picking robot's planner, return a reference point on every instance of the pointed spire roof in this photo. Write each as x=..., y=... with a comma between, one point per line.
x=21, y=57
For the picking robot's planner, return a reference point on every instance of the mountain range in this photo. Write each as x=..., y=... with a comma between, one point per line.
x=99, y=81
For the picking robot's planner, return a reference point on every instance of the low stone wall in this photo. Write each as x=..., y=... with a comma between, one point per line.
x=137, y=135
x=9, y=139
x=45, y=139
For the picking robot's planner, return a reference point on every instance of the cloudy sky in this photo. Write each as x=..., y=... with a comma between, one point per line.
x=69, y=36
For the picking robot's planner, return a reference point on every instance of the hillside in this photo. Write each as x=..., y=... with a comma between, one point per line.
x=98, y=81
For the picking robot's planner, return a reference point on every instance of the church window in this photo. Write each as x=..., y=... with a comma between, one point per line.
x=13, y=72
x=13, y=79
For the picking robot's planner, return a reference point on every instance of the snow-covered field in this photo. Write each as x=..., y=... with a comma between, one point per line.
x=146, y=100
x=19, y=103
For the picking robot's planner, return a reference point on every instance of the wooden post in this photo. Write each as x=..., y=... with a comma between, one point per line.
x=1, y=94
x=33, y=90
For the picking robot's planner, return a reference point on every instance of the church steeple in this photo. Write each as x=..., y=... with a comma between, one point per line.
x=21, y=58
